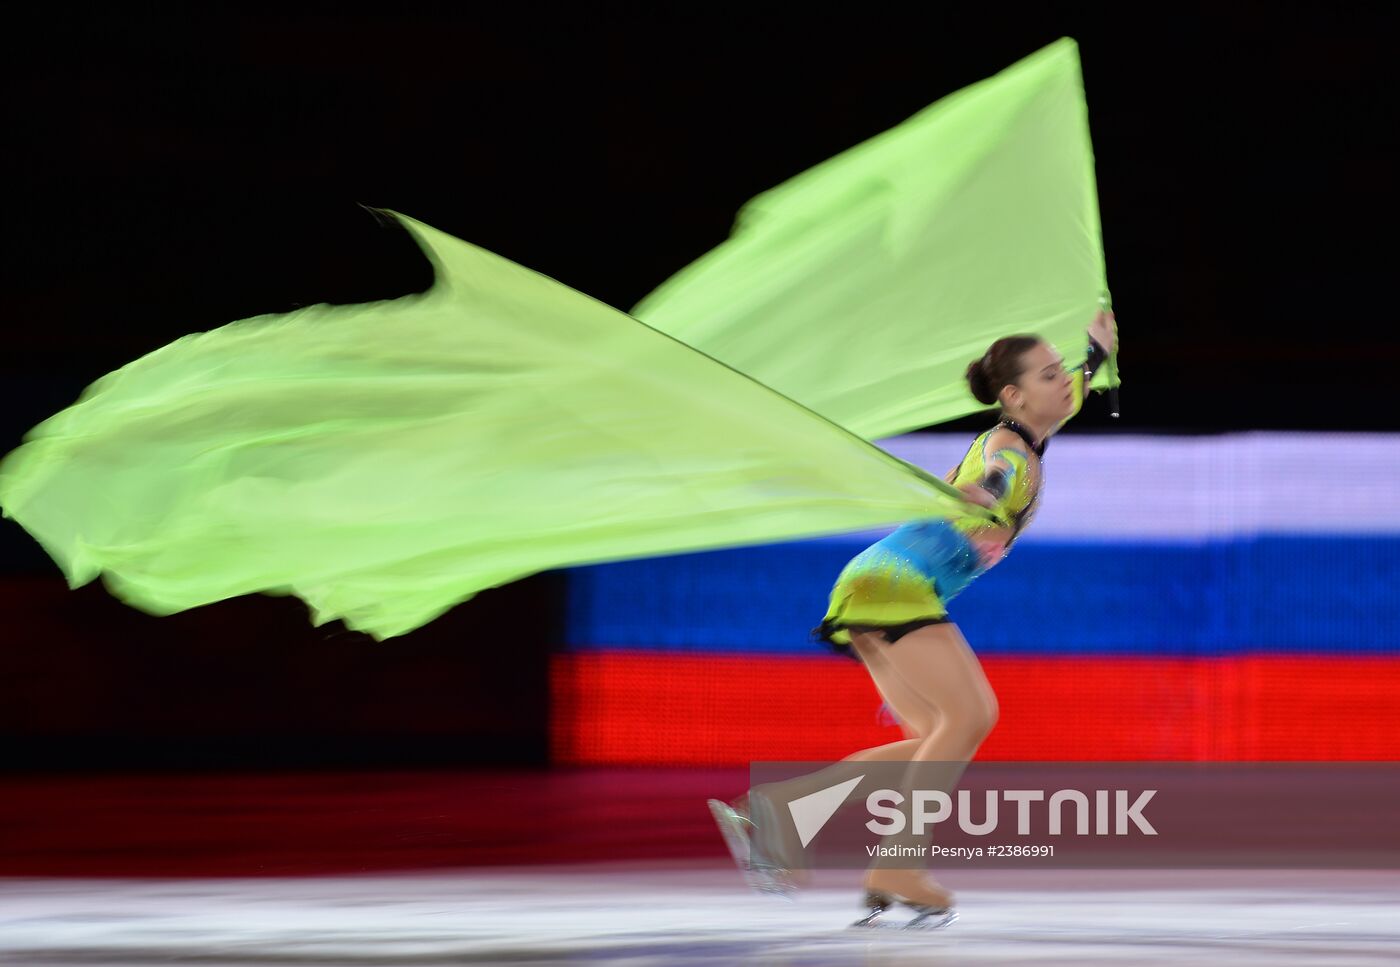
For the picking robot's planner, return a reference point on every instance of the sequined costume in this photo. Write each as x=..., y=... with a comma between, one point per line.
x=905, y=581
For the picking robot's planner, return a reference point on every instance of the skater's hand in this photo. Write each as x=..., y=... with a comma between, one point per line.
x=1104, y=330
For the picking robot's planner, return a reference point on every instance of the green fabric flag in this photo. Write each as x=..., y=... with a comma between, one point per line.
x=386, y=461
x=863, y=287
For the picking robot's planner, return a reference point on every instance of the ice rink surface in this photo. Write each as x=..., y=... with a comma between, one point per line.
x=699, y=913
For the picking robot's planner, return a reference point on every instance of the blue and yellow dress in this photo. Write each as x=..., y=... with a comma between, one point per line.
x=905, y=581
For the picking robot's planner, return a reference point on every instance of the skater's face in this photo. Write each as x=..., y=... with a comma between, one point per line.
x=1044, y=392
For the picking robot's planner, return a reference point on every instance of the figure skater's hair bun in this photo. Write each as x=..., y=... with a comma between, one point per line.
x=1000, y=366
x=979, y=384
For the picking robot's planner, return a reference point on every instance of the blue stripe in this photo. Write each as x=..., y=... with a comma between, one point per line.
x=1293, y=594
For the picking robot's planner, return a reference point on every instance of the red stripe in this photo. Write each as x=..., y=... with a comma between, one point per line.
x=641, y=707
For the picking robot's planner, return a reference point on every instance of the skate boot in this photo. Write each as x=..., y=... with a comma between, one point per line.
x=773, y=855
x=736, y=828
x=763, y=872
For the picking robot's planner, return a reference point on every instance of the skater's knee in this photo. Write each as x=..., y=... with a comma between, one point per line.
x=917, y=728
x=987, y=715
x=966, y=726
x=980, y=712
x=981, y=719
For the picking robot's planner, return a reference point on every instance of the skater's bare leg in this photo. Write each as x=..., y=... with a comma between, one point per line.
x=935, y=664
x=916, y=716
x=906, y=706
x=934, y=683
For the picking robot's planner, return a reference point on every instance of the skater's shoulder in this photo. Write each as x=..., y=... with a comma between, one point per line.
x=1000, y=438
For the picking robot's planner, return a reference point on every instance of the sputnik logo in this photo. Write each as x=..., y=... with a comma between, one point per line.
x=811, y=812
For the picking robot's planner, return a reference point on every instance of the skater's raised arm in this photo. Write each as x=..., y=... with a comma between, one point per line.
x=1103, y=338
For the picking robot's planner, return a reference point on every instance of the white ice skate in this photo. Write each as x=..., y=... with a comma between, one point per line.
x=735, y=827
x=925, y=917
x=760, y=872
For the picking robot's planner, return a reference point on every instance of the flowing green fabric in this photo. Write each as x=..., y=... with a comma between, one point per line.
x=863, y=287
x=386, y=461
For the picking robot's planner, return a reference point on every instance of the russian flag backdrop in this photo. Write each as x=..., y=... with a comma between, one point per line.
x=1232, y=597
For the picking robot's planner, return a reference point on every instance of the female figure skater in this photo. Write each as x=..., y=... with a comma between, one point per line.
x=888, y=610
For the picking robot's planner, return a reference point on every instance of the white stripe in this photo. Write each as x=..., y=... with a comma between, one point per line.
x=1118, y=487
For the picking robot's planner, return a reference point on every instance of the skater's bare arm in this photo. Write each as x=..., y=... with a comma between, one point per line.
x=1103, y=339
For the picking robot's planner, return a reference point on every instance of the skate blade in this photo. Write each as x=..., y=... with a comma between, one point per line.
x=736, y=838
x=922, y=921
x=770, y=880
x=932, y=921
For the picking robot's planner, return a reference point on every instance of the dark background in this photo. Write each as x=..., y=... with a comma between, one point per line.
x=176, y=171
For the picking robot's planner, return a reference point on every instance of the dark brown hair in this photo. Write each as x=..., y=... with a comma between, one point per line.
x=999, y=366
